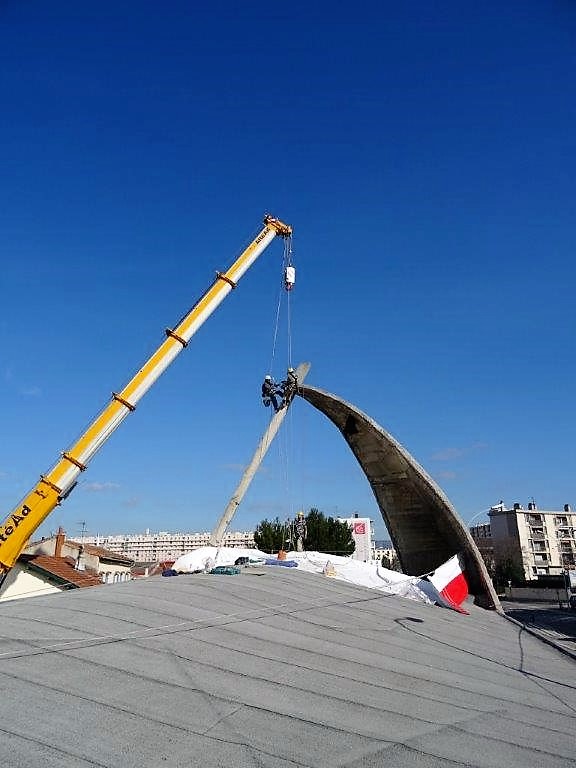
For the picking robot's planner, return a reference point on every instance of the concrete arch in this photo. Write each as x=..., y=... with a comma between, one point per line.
x=425, y=528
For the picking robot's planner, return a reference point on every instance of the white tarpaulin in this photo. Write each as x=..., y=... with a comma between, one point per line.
x=371, y=574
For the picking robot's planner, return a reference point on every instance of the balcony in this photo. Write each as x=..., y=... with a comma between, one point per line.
x=537, y=536
x=534, y=519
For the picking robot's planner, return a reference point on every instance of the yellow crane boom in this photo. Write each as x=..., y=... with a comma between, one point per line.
x=56, y=484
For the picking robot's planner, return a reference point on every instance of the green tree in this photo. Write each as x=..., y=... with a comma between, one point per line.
x=508, y=569
x=325, y=534
x=391, y=563
x=270, y=536
x=508, y=565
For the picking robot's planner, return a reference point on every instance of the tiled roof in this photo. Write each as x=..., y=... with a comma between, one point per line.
x=61, y=569
x=154, y=568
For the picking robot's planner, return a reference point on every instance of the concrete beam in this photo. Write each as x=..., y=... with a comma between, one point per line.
x=424, y=527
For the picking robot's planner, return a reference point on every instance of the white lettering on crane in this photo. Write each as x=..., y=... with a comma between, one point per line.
x=15, y=520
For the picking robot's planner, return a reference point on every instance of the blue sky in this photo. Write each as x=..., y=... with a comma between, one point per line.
x=424, y=153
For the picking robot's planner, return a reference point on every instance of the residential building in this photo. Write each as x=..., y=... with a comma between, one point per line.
x=154, y=547
x=542, y=541
x=39, y=575
x=108, y=565
x=482, y=535
x=56, y=564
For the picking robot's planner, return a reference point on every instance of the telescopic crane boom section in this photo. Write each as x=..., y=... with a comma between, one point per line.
x=56, y=484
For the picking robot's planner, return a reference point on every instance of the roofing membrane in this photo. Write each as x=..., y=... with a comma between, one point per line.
x=274, y=667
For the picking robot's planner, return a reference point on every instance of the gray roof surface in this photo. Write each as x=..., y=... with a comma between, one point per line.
x=274, y=668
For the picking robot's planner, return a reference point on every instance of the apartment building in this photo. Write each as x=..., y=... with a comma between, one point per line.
x=154, y=547
x=482, y=535
x=543, y=541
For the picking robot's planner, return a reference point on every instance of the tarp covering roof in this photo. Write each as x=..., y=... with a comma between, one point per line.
x=274, y=668
x=370, y=574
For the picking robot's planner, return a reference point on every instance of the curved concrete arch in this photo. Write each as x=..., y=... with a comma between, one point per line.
x=424, y=527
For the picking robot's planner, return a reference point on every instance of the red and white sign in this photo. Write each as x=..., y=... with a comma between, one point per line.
x=361, y=529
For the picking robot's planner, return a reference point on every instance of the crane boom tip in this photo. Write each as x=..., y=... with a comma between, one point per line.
x=284, y=230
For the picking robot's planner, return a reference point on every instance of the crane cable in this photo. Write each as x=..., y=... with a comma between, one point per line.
x=286, y=262
x=288, y=268
x=285, y=441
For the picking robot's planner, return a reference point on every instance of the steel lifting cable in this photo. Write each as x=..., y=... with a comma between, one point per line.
x=285, y=440
x=289, y=442
x=275, y=337
x=290, y=495
x=286, y=262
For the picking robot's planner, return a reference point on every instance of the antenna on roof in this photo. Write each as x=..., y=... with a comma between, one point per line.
x=82, y=530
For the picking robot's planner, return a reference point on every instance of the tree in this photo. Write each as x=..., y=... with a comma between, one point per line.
x=508, y=565
x=270, y=536
x=391, y=563
x=508, y=570
x=323, y=534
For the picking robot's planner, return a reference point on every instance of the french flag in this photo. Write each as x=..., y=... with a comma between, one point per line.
x=450, y=583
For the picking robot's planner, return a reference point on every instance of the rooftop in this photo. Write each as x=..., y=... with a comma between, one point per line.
x=62, y=569
x=274, y=668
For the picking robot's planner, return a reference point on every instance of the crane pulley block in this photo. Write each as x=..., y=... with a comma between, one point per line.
x=289, y=277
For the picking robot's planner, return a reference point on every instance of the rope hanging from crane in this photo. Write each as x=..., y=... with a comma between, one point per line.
x=273, y=393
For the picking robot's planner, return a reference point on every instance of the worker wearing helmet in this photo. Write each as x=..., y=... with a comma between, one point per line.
x=289, y=386
x=270, y=392
x=300, y=530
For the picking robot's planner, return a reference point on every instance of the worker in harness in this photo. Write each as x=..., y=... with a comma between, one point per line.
x=270, y=392
x=289, y=386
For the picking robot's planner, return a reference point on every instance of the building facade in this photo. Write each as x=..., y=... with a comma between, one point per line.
x=363, y=534
x=482, y=535
x=542, y=541
x=56, y=563
x=154, y=547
